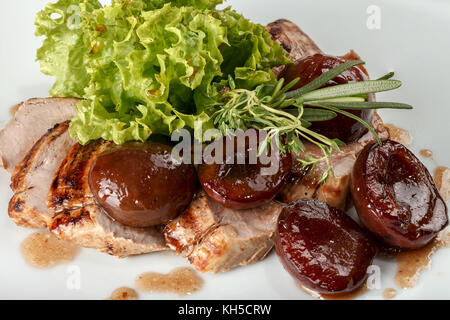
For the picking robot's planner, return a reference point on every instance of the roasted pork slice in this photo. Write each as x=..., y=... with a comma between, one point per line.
x=32, y=177
x=334, y=192
x=31, y=120
x=78, y=218
x=216, y=239
x=292, y=39
x=299, y=44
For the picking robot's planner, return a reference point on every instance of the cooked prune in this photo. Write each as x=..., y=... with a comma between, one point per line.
x=322, y=247
x=396, y=197
x=311, y=67
x=141, y=185
x=243, y=186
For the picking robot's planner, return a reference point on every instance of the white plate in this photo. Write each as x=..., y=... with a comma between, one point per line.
x=412, y=40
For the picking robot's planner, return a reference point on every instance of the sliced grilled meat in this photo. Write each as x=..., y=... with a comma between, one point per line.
x=293, y=40
x=77, y=216
x=32, y=177
x=216, y=239
x=299, y=44
x=30, y=122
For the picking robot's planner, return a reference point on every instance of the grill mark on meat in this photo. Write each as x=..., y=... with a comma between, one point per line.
x=202, y=239
x=197, y=226
x=70, y=181
x=18, y=206
x=68, y=218
x=78, y=217
x=21, y=169
x=32, y=177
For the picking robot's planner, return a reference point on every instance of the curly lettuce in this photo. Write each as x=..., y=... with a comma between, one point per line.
x=148, y=67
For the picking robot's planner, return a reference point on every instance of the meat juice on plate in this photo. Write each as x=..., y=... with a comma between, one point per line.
x=124, y=293
x=43, y=250
x=182, y=281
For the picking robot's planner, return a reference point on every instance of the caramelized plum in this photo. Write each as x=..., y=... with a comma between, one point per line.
x=243, y=186
x=322, y=247
x=395, y=196
x=141, y=185
x=311, y=67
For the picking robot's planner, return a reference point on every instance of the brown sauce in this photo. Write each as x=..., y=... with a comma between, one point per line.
x=442, y=179
x=398, y=134
x=345, y=296
x=43, y=250
x=412, y=263
x=426, y=153
x=389, y=293
x=182, y=281
x=124, y=293
x=13, y=110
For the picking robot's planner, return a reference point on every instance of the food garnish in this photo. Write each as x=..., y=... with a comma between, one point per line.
x=152, y=67
x=271, y=107
x=149, y=66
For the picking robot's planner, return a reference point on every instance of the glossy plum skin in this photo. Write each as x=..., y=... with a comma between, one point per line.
x=242, y=186
x=311, y=67
x=140, y=184
x=323, y=248
x=396, y=197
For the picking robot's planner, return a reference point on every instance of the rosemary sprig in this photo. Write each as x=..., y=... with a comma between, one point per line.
x=324, y=78
x=280, y=112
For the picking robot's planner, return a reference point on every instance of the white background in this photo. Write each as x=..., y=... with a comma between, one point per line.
x=413, y=41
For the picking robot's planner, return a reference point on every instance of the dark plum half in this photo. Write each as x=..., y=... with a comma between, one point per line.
x=396, y=197
x=323, y=248
x=244, y=186
x=141, y=185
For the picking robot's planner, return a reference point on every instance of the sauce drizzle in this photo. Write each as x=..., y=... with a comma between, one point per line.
x=43, y=250
x=398, y=134
x=389, y=293
x=442, y=180
x=124, y=293
x=182, y=281
x=412, y=263
x=426, y=153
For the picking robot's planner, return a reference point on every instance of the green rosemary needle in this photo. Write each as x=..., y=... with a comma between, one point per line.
x=280, y=112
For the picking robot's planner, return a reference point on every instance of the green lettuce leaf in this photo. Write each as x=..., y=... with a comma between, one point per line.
x=158, y=4
x=150, y=66
x=63, y=53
